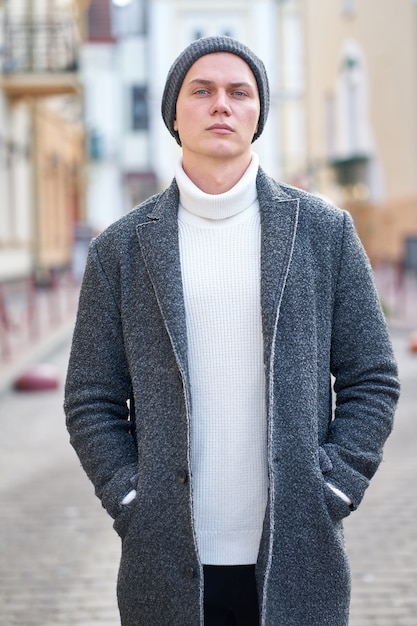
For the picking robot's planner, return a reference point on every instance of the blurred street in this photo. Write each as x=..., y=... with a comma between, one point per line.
x=382, y=535
x=59, y=554
x=82, y=141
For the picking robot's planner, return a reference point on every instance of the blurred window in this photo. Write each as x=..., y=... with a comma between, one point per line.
x=199, y=33
x=129, y=19
x=139, y=99
x=348, y=7
x=99, y=22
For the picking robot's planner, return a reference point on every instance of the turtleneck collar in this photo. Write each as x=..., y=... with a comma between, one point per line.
x=218, y=206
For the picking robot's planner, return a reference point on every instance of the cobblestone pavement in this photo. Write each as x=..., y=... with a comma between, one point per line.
x=59, y=554
x=382, y=535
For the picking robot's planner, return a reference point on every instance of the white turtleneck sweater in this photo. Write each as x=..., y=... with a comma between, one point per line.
x=219, y=238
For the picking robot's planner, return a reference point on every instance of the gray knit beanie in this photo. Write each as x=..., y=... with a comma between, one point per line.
x=194, y=51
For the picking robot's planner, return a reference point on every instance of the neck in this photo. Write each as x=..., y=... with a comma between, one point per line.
x=217, y=206
x=215, y=176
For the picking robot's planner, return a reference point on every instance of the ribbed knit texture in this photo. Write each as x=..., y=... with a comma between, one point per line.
x=220, y=260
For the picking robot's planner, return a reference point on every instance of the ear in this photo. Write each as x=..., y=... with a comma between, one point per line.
x=175, y=125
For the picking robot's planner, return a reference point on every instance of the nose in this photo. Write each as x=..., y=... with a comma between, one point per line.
x=220, y=103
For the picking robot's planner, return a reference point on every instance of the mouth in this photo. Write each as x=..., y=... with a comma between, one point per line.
x=221, y=129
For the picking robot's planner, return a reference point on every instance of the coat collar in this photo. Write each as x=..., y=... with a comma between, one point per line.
x=158, y=236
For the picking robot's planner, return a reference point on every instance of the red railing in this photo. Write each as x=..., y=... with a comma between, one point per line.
x=28, y=313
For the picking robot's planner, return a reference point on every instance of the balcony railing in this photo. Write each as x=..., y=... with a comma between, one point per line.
x=39, y=46
x=351, y=170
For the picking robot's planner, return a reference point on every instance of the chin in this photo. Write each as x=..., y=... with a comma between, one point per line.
x=224, y=150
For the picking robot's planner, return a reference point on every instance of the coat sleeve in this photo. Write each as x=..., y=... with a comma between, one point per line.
x=363, y=365
x=98, y=387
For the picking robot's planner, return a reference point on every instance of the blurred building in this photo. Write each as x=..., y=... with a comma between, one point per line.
x=291, y=91
x=115, y=76
x=173, y=24
x=130, y=45
x=41, y=137
x=361, y=122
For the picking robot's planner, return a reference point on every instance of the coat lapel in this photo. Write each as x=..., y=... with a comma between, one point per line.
x=279, y=219
x=158, y=238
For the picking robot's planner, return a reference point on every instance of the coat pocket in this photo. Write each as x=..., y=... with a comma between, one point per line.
x=337, y=508
x=122, y=522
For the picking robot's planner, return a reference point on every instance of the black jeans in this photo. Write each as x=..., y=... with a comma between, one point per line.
x=230, y=596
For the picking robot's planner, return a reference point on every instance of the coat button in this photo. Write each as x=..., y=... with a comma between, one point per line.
x=189, y=572
x=182, y=476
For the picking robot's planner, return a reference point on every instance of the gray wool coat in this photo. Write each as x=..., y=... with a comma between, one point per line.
x=321, y=317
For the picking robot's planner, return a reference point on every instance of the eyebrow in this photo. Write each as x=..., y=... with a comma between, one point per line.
x=235, y=85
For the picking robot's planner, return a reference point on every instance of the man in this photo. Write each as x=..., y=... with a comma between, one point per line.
x=220, y=308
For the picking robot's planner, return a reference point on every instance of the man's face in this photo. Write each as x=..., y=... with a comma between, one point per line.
x=217, y=108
